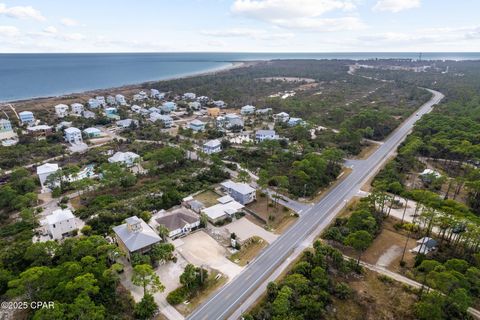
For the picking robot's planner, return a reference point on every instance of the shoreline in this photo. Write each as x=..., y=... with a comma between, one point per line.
x=28, y=103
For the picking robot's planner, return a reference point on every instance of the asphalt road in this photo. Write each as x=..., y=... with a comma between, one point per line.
x=230, y=297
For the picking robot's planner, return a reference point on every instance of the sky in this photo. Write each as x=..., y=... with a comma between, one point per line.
x=28, y=26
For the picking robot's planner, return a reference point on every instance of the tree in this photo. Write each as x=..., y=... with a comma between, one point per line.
x=189, y=276
x=144, y=276
x=146, y=308
x=162, y=252
x=163, y=232
x=243, y=176
x=360, y=241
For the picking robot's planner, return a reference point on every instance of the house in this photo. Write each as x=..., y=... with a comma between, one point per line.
x=88, y=114
x=241, y=192
x=264, y=111
x=26, y=117
x=219, y=103
x=112, y=113
x=111, y=100
x=168, y=106
x=63, y=124
x=203, y=99
x=6, y=130
x=42, y=130
x=227, y=207
x=233, y=120
x=179, y=222
x=428, y=175
x=248, y=109
x=281, y=117
x=166, y=120
x=101, y=100
x=295, y=122
x=189, y=95
x=60, y=223
x=197, y=125
x=77, y=108
x=212, y=146
x=126, y=123
x=195, y=105
x=142, y=95
x=92, y=132
x=73, y=135
x=213, y=112
x=195, y=205
x=127, y=158
x=120, y=100
x=135, y=236
x=61, y=110
x=136, y=108
x=154, y=93
x=93, y=103
x=425, y=245
x=44, y=171
x=262, y=135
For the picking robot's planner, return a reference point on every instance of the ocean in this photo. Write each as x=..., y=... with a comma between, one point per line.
x=25, y=76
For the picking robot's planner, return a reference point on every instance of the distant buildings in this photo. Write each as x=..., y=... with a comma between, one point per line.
x=189, y=95
x=42, y=130
x=101, y=100
x=127, y=158
x=93, y=103
x=26, y=117
x=241, y=192
x=141, y=96
x=126, y=123
x=262, y=135
x=292, y=122
x=219, y=103
x=197, y=125
x=88, y=114
x=195, y=105
x=166, y=120
x=60, y=223
x=168, y=106
x=61, y=110
x=213, y=112
x=248, y=109
x=264, y=111
x=111, y=100
x=154, y=93
x=135, y=236
x=281, y=117
x=212, y=146
x=73, y=135
x=44, y=171
x=179, y=223
x=112, y=113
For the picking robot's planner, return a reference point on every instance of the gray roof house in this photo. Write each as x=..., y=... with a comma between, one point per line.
x=180, y=222
x=135, y=236
x=241, y=192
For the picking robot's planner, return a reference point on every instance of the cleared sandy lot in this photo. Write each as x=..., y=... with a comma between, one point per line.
x=245, y=229
x=200, y=249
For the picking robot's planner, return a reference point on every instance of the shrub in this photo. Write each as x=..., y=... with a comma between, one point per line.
x=177, y=296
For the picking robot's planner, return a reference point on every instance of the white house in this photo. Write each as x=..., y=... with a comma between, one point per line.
x=120, y=99
x=26, y=117
x=248, y=109
x=77, y=108
x=189, y=95
x=61, y=110
x=111, y=100
x=194, y=105
x=142, y=95
x=101, y=100
x=59, y=223
x=219, y=103
x=241, y=192
x=264, y=111
x=425, y=245
x=135, y=108
x=154, y=93
x=126, y=123
x=87, y=114
x=179, y=222
x=262, y=135
x=44, y=171
x=227, y=207
x=295, y=122
x=197, y=125
x=281, y=117
x=166, y=120
x=127, y=158
x=168, y=106
x=73, y=135
x=93, y=103
x=212, y=146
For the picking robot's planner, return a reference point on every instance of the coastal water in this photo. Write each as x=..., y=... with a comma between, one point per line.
x=24, y=76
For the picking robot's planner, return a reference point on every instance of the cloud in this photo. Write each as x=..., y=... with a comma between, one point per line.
x=247, y=32
x=21, y=12
x=50, y=29
x=69, y=22
x=9, y=31
x=72, y=37
x=300, y=14
x=396, y=5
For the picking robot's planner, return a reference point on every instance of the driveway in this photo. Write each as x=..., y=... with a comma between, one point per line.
x=199, y=249
x=245, y=229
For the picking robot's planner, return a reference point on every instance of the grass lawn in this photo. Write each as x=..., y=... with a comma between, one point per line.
x=208, y=198
x=248, y=251
x=211, y=286
x=278, y=217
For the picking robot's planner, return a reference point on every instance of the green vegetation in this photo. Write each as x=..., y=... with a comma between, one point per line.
x=193, y=280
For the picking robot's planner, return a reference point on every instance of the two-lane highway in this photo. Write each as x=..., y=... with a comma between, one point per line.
x=231, y=296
